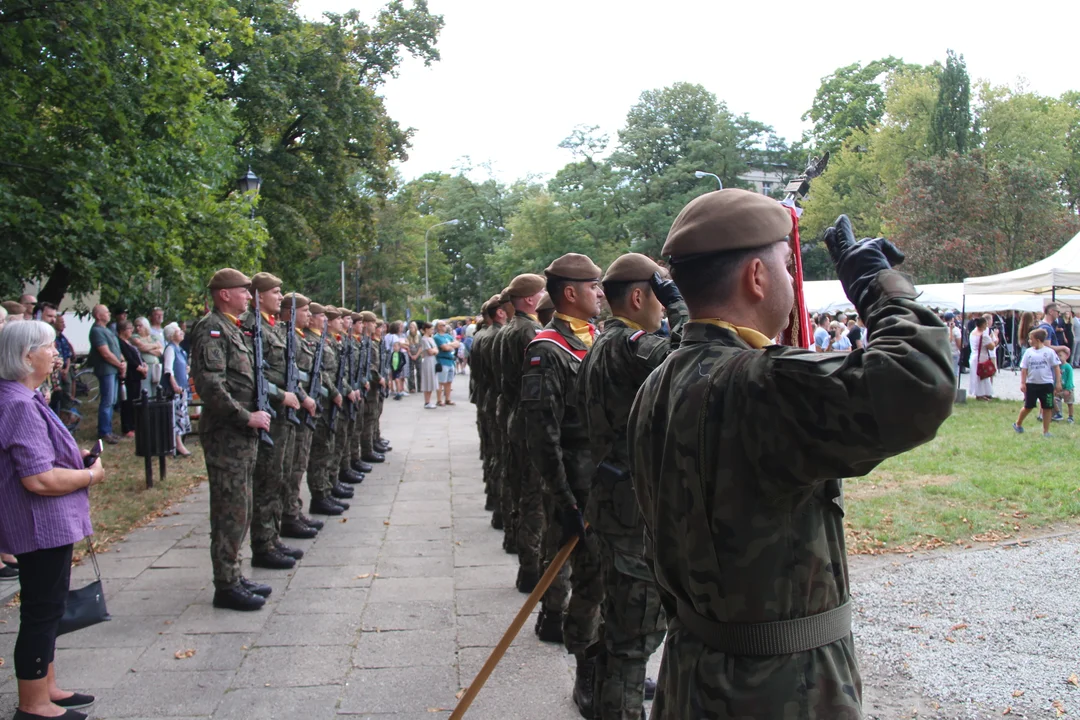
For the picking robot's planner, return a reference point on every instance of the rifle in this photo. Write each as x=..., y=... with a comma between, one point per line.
x=349, y=357
x=262, y=388
x=292, y=373
x=315, y=387
x=338, y=383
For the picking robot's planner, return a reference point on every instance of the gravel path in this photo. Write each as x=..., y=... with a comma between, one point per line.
x=971, y=634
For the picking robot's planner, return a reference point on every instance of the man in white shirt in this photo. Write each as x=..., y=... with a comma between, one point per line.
x=821, y=334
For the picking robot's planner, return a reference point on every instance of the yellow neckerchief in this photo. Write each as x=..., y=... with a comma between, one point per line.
x=582, y=329
x=317, y=331
x=267, y=318
x=749, y=335
x=299, y=331
x=628, y=322
x=232, y=318
x=532, y=317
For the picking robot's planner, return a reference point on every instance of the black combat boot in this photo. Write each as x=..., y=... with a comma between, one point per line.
x=489, y=503
x=256, y=588
x=297, y=529
x=584, y=685
x=526, y=579
x=237, y=597
x=361, y=467
x=549, y=626
x=383, y=445
x=294, y=553
x=272, y=560
x=324, y=506
x=341, y=492
x=496, y=520
x=372, y=457
x=340, y=503
x=317, y=524
x=350, y=476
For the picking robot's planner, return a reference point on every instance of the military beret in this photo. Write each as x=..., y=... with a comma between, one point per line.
x=724, y=220
x=545, y=303
x=301, y=301
x=332, y=313
x=631, y=267
x=525, y=285
x=573, y=266
x=13, y=307
x=263, y=281
x=368, y=316
x=504, y=296
x=356, y=317
x=317, y=309
x=228, y=278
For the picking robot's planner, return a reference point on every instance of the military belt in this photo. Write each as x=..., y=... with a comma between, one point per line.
x=783, y=637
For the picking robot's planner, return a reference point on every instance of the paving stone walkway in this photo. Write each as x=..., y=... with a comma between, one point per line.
x=391, y=612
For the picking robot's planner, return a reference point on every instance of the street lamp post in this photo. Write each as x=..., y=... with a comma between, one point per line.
x=250, y=183
x=427, y=288
x=701, y=173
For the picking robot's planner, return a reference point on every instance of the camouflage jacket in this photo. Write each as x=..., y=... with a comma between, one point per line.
x=615, y=367
x=554, y=430
x=341, y=346
x=223, y=368
x=736, y=455
x=273, y=337
x=481, y=368
x=511, y=343
x=475, y=360
x=329, y=362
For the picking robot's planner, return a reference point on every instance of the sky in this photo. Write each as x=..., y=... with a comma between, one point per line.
x=516, y=78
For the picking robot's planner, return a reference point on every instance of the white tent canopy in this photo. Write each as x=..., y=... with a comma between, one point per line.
x=828, y=296
x=1061, y=270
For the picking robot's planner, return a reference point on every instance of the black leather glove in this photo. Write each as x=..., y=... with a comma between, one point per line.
x=859, y=262
x=572, y=524
x=665, y=290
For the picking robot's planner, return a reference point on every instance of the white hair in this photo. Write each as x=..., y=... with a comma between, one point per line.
x=3, y=313
x=170, y=331
x=140, y=322
x=18, y=340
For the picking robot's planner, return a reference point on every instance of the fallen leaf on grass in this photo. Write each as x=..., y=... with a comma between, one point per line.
x=185, y=654
x=1018, y=693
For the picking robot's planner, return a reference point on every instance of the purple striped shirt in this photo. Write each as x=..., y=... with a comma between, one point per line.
x=33, y=441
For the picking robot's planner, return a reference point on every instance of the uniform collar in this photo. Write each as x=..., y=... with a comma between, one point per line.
x=583, y=330
x=748, y=335
x=628, y=322
x=268, y=318
x=316, y=331
x=232, y=318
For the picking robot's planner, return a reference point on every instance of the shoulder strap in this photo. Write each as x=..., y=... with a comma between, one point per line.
x=553, y=336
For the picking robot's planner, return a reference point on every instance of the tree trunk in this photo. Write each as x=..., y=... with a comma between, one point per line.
x=56, y=287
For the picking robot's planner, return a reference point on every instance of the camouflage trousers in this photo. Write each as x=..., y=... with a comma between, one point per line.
x=343, y=436
x=508, y=490
x=634, y=626
x=273, y=469
x=557, y=596
x=322, y=462
x=378, y=418
x=291, y=507
x=230, y=463
x=530, y=507
x=369, y=434
x=492, y=440
x=356, y=429
x=579, y=590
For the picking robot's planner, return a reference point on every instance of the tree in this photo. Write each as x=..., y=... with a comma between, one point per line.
x=951, y=123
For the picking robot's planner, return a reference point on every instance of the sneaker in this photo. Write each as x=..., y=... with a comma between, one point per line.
x=1018, y=429
x=1047, y=435
x=9, y=573
x=429, y=406
x=1057, y=416
x=1070, y=420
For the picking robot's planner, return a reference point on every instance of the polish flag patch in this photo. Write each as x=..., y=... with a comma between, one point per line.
x=215, y=333
x=534, y=361
x=637, y=336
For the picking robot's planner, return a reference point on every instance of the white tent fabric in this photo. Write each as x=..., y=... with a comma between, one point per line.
x=1060, y=270
x=828, y=296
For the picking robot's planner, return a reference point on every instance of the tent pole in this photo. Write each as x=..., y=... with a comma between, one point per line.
x=963, y=331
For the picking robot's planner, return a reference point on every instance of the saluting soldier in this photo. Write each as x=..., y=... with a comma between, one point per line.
x=613, y=370
x=294, y=524
x=559, y=447
x=267, y=550
x=223, y=368
x=737, y=447
x=322, y=462
x=525, y=504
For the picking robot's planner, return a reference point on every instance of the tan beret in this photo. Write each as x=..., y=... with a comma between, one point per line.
x=357, y=317
x=525, y=285
x=263, y=281
x=504, y=296
x=332, y=313
x=317, y=309
x=631, y=267
x=368, y=316
x=573, y=266
x=13, y=307
x=724, y=220
x=228, y=278
x=301, y=301
x=545, y=303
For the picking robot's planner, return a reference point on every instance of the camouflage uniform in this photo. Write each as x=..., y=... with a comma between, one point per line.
x=274, y=464
x=483, y=394
x=343, y=427
x=372, y=400
x=526, y=493
x=322, y=462
x=559, y=448
x=634, y=622
x=223, y=368
x=305, y=359
x=735, y=458
x=357, y=425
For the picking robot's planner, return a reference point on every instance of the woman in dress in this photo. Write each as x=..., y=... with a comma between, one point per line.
x=428, y=351
x=413, y=338
x=983, y=343
x=175, y=363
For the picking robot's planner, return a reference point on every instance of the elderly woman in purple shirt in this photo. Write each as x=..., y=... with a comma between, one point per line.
x=44, y=511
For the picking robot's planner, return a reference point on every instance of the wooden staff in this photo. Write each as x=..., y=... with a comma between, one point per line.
x=512, y=631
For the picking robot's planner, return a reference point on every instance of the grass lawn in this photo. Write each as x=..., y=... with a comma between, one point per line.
x=122, y=501
x=978, y=481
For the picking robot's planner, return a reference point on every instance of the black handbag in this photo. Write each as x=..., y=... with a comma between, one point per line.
x=85, y=606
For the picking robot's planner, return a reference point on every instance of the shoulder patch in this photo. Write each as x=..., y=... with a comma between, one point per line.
x=215, y=333
x=535, y=361
x=637, y=336
x=532, y=388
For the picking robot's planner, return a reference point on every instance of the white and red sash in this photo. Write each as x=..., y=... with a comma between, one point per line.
x=555, y=337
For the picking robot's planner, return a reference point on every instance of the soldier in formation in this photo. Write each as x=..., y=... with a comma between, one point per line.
x=307, y=384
